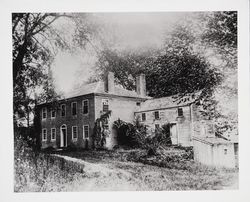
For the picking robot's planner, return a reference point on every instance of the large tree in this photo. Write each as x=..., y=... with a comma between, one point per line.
x=36, y=39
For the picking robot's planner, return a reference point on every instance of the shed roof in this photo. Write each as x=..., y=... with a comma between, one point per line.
x=212, y=140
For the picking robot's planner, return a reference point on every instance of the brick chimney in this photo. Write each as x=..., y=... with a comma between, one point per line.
x=141, y=85
x=109, y=85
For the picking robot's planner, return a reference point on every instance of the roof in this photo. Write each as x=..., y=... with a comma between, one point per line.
x=212, y=140
x=98, y=87
x=165, y=102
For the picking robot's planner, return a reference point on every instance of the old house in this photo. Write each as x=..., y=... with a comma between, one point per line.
x=72, y=123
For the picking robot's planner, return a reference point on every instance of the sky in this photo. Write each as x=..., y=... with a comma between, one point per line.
x=126, y=31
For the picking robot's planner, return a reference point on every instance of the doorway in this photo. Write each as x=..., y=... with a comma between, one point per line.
x=174, y=134
x=63, y=136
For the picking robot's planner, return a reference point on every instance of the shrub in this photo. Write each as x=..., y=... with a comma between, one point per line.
x=135, y=135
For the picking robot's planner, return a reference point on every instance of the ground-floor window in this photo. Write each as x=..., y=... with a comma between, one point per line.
x=53, y=134
x=44, y=134
x=157, y=127
x=143, y=116
x=86, y=131
x=74, y=132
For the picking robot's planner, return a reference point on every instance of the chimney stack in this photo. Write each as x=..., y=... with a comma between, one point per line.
x=109, y=85
x=141, y=85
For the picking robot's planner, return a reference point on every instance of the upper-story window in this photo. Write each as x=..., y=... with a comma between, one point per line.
x=53, y=134
x=143, y=116
x=74, y=132
x=85, y=106
x=73, y=108
x=53, y=113
x=63, y=110
x=105, y=105
x=44, y=113
x=157, y=116
x=44, y=134
x=180, y=111
x=86, y=131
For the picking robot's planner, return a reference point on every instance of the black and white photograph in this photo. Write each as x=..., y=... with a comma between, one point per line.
x=125, y=100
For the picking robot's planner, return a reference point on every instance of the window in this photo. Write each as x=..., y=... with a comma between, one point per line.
x=86, y=131
x=157, y=115
x=44, y=134
x=63, y=110
x=180, y=111
x=53, y=134
x=105, y=105
x=225, y=151
x=157, y=127
x=53, y=113
x=138, y=104
x=73, y=108
x=74, y=132
x=143, y=116
x=44, y=113
x=85, y=106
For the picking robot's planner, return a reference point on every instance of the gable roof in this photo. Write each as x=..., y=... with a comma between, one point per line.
x=165, y=102
x=98, y=87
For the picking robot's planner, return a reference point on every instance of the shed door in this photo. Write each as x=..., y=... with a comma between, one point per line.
x=174, y=134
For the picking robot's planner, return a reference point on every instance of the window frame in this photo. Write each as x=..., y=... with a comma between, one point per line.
x=44, y=139
x=84, y=135
x=74, y=138
x=158, y=127
x=178, y=110
x=86, y=100
x=72, y=104
x=62, y=110
x=158, y=115
x=44, y=108
x=104, y=101
x=53, y=139
x=142, y=116
x=52, y=112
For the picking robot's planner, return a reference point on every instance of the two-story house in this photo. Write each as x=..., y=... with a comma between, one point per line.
x=73, y=121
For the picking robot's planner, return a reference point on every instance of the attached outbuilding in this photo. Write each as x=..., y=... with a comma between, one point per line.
x=214, y=151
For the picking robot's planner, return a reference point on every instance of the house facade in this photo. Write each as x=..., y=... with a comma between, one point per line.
x=72, y=121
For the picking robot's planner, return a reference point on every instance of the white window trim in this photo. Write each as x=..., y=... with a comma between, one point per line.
x=51, y=134
x=84, y=137
x=72, y=108
x=73, y=133
x=83, y=106
x=61, y=110
x=44, y=129
x=105, y=100
x=51, y=114
x=45, y=113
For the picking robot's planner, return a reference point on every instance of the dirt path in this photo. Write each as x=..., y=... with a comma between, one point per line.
x=113, y=175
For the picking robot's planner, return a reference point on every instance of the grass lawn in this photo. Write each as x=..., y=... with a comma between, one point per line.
x=116, y=170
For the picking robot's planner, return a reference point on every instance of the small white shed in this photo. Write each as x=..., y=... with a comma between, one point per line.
x=214, y=151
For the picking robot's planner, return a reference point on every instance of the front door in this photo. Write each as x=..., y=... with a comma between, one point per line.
x=63, y=142
x=174, y=134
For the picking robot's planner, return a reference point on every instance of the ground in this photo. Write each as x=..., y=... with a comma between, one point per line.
x=111, y=171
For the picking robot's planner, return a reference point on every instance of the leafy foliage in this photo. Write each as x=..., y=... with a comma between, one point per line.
x=100, y=130
x=136, y=135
